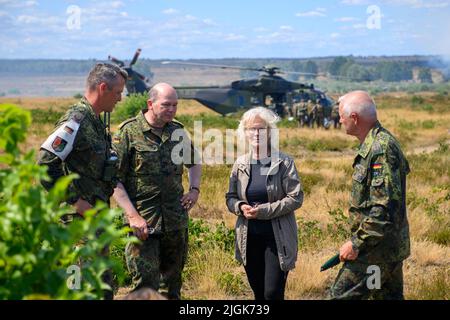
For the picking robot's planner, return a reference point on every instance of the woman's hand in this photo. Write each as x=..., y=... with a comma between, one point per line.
x=249, y=211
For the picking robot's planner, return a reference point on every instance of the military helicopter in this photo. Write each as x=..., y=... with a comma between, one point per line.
x=269, y=89
x=136, y=82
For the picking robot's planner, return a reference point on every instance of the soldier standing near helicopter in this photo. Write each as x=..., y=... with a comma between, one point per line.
x=302, y=113
x=312, y=113
x=319, y=113
x=335, y=116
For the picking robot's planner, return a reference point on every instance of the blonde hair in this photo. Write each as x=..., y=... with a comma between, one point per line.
x=267, y=115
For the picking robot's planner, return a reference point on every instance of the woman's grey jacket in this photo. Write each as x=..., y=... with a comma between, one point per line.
x=285, y=196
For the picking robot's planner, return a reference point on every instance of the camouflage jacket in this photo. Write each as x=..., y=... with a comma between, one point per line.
x=152, y=179
x=90, y=149
x=378, y=218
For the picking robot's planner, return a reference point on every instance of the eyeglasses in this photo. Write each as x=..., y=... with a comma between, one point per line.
x=256, y=130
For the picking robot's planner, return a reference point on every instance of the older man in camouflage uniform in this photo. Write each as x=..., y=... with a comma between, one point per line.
x=151, y=191
x=80, y=143
x=379, y=225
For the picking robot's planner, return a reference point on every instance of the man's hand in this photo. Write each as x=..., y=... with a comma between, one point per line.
x=139, y=226
x=249, y=211
x=189, y=199
x=347, y=253
x=81, y=206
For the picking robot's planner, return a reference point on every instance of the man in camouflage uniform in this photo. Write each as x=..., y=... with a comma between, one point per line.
x=151, y=191
x=80, y=144
x=335, y=115
x=312, y=112
x=379, y=225
x=302, y=113
x=319, y=113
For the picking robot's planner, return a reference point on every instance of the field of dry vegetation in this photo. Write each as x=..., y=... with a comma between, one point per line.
x=323, y=159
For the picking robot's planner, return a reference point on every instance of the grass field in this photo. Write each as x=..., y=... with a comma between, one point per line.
x=323, y=159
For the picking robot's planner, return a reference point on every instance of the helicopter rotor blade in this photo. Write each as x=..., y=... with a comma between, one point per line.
x=327, y=75
x=140, y=75
x=211, y=65
x=120, y=63
x=304, y=73
x=136, y=56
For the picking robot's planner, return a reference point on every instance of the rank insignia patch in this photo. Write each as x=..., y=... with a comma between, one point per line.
x=59, y=144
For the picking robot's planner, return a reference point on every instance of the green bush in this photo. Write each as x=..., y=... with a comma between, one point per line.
x=416, y=100
x=201, y=235
x=428, y=124
x=39, y=256
x=309, y=233
x=338, y=229
x=209, y=121
x=309, y=180
x=335, y=144
x=428, y=108
x=230, y=283
x=129, y=107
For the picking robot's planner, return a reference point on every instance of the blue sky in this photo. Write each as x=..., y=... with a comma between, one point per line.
x=183, y=29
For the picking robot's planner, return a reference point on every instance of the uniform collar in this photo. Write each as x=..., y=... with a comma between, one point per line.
x=365, y=147
x=143, y=123
x=145, y=126
x=89, y=107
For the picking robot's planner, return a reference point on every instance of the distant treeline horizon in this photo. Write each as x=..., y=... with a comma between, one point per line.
x=386, y=68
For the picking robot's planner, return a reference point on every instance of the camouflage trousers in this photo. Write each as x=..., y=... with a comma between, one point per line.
x=159, y=257
x=354, y=278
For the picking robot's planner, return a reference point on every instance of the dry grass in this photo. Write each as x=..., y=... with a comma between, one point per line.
x=306, y=281
x=213, y=274
x=59, y=104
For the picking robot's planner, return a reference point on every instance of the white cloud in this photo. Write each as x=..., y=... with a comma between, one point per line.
x=234, y=37
x=260, y=29
x=18, y=4
x=315, y=13
x=189, y=17
x=209, y=22
x=27, y=19
x=354, y=2
x=359, y=26
x=286, y=28
x=346, y=19
x=420, y=4
x=335, y=35
x=117, y=4
x=170, y=11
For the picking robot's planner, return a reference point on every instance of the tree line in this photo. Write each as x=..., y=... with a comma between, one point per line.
x=345, y=68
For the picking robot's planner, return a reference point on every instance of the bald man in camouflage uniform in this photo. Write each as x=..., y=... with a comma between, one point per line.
x=80, y=145
x=151, y=191
x=379, y=225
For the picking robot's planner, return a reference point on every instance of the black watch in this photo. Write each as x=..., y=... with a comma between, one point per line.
x=194, y=188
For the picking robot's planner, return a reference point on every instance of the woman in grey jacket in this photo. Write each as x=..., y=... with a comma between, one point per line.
x=264, y=192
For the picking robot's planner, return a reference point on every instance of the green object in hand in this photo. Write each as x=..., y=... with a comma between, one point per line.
x=331, y=263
